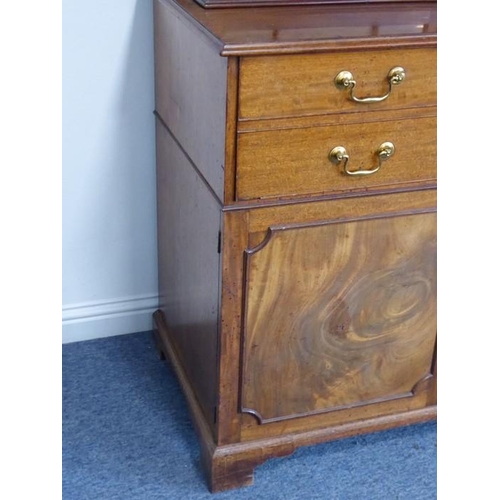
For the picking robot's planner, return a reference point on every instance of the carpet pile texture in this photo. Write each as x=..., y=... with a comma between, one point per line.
x=127, y=436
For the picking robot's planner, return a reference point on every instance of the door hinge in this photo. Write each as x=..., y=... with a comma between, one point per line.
x=219, y=243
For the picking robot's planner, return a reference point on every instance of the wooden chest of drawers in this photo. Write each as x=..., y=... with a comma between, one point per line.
x=296, y=168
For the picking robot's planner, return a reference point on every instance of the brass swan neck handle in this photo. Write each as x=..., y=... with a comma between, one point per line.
x=339, y=154
x=345, y=81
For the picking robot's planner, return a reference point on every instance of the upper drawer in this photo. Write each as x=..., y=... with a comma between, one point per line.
x=291, y=162
x=303, y=85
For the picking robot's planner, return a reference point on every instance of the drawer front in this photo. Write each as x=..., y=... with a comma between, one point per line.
x=296, y=161
x=302, y=85
x=340, y=306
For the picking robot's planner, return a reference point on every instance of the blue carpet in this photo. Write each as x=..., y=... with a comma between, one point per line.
x=127, y=435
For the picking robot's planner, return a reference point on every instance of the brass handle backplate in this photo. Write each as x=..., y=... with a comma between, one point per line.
x=339, y=154
x=345, y=81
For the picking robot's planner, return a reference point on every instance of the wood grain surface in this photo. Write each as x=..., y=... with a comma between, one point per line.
x=295, y=161
x=234, y=241
x=298, y=85
x=339, y=315
x=188, y=267
x=315, y=28
x=232, y=465
x=331, y=210
x=214, y=4
x=231, y=129
x=191, y=98
x=296, y=307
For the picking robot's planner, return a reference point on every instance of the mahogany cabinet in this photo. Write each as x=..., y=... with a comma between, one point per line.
x=296, y=187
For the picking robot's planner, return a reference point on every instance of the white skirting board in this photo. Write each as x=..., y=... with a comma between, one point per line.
x=92, y=320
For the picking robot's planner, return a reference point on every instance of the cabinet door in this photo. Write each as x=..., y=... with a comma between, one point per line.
x=340, y=309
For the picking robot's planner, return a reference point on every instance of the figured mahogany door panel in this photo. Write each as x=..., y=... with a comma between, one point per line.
x=301, y=85
x=296, y=161
x=339, y=315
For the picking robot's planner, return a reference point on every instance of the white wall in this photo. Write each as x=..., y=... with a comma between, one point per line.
x=109, y=203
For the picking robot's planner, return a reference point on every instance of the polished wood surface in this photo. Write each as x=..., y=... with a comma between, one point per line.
x=301, y=85
x=324, y=212
x=362, y=317
x=231, y=129
x=234, y=241
x=191, y=98
x=188, y=264
x=232, y=465
x=347, y=208
x=213, y=4
x=248, y=228
x=295, y=161
x=335, y=119
x=297, y=305
x=318, y=28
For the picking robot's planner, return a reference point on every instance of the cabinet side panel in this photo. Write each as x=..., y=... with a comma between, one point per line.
x=190, y=91
x=188, y=230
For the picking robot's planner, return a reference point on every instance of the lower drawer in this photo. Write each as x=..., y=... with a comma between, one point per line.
x=290, y=162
